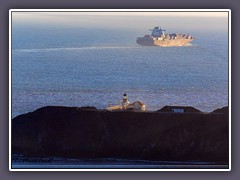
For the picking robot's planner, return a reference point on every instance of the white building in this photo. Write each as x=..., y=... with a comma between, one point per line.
x=125, y=104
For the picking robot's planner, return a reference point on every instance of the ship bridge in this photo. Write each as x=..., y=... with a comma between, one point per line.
x=157, y=32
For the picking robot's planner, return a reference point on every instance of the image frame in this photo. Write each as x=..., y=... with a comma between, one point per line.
x=117, y=10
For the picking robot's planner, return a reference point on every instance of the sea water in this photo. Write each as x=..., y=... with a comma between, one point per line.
x=52, y=162
x=66, y=66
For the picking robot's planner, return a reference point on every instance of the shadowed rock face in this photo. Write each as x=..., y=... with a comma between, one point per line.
x=221, y=110
x=78, y=132
x=184, y=108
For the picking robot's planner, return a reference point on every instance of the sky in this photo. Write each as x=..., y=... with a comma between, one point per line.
x=191, y=21
x=126, y=13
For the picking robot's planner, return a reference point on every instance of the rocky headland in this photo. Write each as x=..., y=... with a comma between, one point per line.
x=92, y=133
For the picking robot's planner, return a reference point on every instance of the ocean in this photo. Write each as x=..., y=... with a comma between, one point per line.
x=52, y=162
x=65, y=66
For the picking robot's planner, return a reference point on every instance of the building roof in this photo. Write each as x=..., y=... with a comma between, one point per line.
x=137, y=102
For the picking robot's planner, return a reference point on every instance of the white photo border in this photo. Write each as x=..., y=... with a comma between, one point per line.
x=117, y=10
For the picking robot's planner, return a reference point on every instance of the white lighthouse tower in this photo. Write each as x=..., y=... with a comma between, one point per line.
x=125, y=101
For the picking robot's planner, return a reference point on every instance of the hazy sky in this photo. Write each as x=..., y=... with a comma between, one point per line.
x=124, y=13
x=192, y=21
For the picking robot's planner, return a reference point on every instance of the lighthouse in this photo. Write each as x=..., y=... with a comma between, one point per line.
x=125, y=101
x=125, y=105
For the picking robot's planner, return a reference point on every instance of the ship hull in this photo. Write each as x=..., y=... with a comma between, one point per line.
x=164, y=43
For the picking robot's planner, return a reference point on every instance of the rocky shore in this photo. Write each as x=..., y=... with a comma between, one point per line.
x=92, y=133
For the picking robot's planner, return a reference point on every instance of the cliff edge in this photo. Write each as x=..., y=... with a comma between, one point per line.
x=88, y=132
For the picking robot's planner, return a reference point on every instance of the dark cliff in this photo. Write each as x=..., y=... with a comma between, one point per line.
x=79, y=132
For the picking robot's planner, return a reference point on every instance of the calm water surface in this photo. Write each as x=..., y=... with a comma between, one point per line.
x=80, y=67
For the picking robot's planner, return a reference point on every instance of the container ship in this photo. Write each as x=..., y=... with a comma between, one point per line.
x=159, y=38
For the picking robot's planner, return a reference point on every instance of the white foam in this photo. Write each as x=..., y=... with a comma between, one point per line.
x=76, y=48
